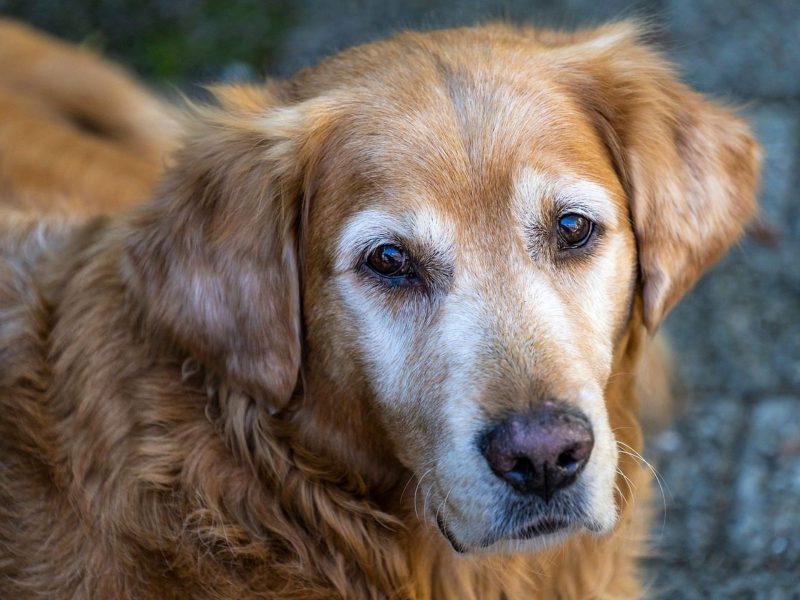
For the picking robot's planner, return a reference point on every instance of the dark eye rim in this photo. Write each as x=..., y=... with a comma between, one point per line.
x=584, y=241
x=409, y=277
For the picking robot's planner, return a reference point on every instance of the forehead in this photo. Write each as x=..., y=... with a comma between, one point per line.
x=471, y=137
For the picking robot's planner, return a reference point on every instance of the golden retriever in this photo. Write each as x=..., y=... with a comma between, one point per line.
x=374, y=334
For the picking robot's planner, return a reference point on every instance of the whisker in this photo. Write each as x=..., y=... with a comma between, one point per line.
x=405, y=487
x=633, y=453
x=631, y=486
x=425, y=501
x=416, y=490
x=631, y=498
x=444, y=506
x=616, y=429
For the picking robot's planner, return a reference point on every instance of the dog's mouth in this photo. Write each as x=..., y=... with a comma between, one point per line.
x=538, y=528
x=448, y=535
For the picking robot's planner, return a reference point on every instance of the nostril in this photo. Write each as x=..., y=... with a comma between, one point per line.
x=570, y=461
x=522, y=471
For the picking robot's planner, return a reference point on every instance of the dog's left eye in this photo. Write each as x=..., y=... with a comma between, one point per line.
x=390, y=261
x=574, y=230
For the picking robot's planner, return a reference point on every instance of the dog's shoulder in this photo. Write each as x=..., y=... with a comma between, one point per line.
x=38, y=525
x=36, y=253
x=27, y=243
x=26, y=240
x=26, y=428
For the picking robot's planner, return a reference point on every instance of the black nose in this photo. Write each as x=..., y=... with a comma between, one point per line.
x=541, y=451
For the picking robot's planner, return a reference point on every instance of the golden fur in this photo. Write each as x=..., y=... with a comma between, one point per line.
x=78, y=135
x=156, y=440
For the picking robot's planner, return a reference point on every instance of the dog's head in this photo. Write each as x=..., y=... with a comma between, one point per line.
x=453, y=229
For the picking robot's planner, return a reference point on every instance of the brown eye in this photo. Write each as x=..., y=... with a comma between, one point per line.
x=390, y=261
x=574, y=230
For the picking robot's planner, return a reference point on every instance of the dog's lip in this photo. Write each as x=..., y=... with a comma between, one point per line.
x=540, y=527
x=448, y=535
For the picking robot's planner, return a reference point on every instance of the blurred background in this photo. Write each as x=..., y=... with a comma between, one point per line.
x=729, y=524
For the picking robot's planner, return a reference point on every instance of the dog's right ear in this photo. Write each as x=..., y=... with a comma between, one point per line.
x=689, y=166
x=214, y=259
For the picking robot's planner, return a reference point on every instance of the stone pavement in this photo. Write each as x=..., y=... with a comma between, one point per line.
x=729, y=526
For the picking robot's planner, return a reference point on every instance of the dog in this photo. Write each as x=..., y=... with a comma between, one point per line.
x=373, y=336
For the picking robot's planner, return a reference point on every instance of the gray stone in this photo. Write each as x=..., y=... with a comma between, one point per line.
x=703, y=583
x=738, y=330
x=765, y=519
x=777, y=127
x=738, y=47
x=694, y=460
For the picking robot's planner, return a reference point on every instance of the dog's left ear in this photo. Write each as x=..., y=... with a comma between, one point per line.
x=214, y=259
x=690, y=167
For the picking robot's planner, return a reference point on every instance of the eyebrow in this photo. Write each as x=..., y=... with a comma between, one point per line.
x=372, y=227
x=366, y=228
x=567, y=191
x=589, y=196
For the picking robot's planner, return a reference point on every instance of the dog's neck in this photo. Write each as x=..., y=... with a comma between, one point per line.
x=344, y=426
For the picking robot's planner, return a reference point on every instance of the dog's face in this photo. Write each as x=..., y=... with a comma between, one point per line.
x=470, y=216
x=477, y=278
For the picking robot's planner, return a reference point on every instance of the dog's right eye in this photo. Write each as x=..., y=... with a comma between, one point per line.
x=391, y=261
x=574, y=231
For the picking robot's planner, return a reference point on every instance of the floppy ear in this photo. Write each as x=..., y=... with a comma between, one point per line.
x=214, y=258
x=690, y=167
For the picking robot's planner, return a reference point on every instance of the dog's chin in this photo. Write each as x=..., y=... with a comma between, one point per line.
x=538, y=535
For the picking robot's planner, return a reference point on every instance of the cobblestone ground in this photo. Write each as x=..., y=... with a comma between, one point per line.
x=729, y=526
